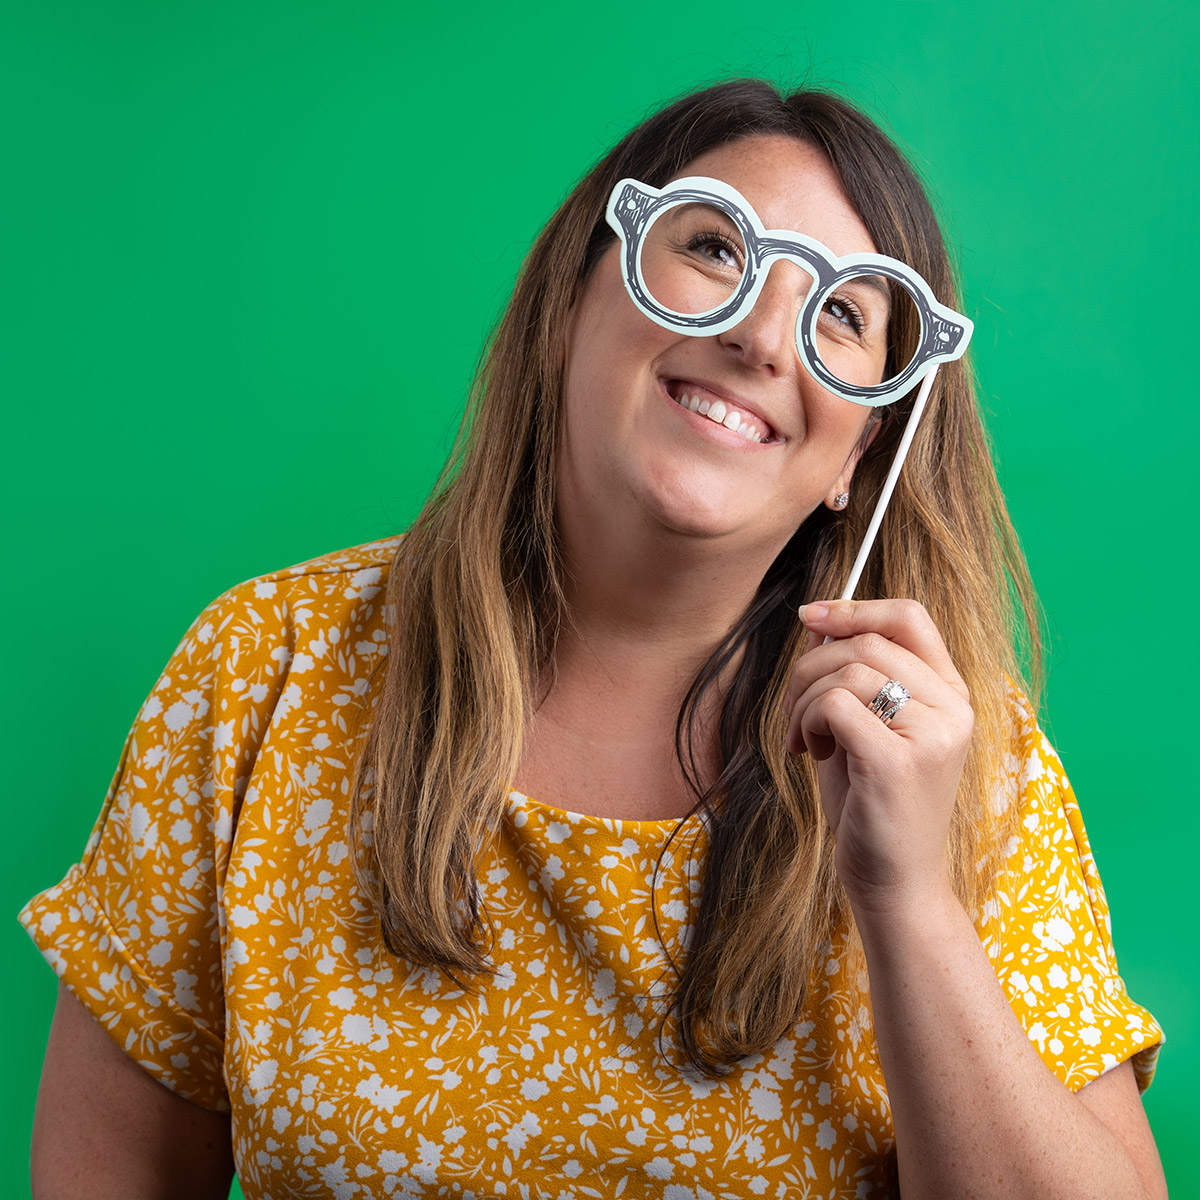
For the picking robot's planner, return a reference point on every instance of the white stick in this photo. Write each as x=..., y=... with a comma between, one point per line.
x=889, y=486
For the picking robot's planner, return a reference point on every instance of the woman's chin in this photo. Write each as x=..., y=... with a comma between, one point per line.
x=713, y=515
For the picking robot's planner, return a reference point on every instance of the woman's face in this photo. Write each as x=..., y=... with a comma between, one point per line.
x=631, y=448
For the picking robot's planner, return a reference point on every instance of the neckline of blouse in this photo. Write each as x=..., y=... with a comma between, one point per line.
x=519, y=802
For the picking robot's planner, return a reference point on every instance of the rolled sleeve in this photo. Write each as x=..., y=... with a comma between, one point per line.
x=136, y=929
x=1048, y=932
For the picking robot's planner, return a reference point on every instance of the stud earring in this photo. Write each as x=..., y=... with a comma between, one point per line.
x=841, y=500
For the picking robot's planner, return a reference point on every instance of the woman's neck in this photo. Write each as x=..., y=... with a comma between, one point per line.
x=644, y=614
x=660, y=599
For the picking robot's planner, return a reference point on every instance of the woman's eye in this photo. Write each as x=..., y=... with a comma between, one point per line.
x=717, y=249
x=845, y=313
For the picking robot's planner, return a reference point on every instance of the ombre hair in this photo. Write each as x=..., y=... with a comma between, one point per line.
x=476, y=600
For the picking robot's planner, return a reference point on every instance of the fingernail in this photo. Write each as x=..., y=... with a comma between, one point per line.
x=810, y=614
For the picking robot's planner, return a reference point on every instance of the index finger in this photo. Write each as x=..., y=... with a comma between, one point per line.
x=905, y=622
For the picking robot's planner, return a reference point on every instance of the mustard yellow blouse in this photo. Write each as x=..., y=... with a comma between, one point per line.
x=214, y=929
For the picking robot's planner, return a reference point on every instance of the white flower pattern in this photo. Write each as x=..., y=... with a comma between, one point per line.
x=214, y=928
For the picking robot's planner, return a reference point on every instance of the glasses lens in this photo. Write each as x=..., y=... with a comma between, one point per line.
x=693, y=256
x=867, y=329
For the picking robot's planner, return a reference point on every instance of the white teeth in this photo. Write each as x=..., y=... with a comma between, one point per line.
x=719, y=412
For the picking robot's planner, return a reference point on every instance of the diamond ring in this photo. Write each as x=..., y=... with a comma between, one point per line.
x=893, y=696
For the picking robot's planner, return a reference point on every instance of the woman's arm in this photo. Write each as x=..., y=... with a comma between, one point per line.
x=105, y=1129
x=976, y=1111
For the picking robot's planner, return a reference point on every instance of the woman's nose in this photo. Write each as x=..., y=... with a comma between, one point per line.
x=766, y=335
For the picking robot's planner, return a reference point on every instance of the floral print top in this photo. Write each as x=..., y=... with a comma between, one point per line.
x=214, y=928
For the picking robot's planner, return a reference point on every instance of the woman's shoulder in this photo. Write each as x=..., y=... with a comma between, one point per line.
x=356, y=573
x=320, y=600
x=263, y=665
x=1034, y=802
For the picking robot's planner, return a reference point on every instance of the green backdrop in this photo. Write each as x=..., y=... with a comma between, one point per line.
x=234, y=336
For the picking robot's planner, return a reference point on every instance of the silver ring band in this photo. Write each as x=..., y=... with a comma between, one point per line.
x=893, y=696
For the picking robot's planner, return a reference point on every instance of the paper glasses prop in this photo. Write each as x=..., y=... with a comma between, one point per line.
x=695, y=256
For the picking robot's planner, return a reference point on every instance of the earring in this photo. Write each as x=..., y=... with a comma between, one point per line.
x=841, y=500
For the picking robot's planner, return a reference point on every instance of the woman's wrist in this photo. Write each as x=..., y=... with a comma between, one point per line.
x=915, y=910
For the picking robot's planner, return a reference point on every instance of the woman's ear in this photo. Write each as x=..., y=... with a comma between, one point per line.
x=839, y=494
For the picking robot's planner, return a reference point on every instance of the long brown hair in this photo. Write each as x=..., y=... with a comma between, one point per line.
x=476, y=598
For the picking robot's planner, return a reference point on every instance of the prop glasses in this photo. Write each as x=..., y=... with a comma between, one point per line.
x=695, y=257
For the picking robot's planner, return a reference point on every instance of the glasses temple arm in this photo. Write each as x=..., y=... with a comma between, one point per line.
x=889, y=486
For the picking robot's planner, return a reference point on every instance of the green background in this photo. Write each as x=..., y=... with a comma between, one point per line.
x=235, y=336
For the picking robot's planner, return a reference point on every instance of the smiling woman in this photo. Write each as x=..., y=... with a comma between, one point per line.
x=576, y=840
x=628, y=441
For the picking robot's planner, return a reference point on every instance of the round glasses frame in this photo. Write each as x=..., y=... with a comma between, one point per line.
x=634, y=206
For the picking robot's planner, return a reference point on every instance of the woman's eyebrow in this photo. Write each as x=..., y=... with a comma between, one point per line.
x=880, y=284
x=876, y=283
x=710, y=206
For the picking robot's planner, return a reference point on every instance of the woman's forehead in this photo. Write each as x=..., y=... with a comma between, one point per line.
x=791, y=185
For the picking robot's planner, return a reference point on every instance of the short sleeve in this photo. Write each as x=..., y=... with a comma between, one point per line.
x=1048, y=933
x=135, y=929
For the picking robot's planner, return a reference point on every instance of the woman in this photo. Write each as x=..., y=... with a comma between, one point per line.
x=755, y=920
